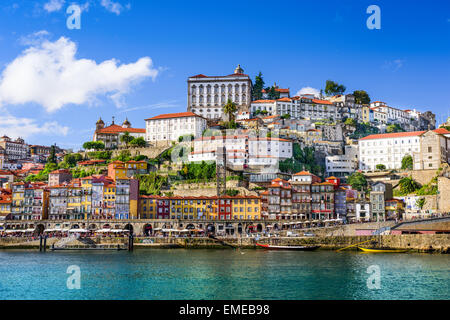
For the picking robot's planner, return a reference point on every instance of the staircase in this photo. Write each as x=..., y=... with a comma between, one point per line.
x=63, y=242
x=88, y=241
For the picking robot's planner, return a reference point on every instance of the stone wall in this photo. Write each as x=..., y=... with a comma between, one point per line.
x=444, y=194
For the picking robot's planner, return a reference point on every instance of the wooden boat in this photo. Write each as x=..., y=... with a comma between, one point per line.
x=376, y=250
x=298, y=248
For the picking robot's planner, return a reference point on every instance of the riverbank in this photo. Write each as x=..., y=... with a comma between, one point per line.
x=433, y=243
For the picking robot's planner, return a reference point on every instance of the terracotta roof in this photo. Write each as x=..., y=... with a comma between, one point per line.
x=284, y=99
x=174, y=115
x=393, y=135
x=303, y=173
x=321, y=101
x=263, y=101
x=441, y=131
x=114, y=128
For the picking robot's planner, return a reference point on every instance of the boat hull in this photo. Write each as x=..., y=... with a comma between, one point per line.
x=296, y=248
x=382, y=250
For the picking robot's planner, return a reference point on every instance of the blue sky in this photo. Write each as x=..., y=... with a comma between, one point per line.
x=132, y=58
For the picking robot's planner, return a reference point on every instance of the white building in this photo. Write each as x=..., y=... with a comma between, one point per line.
x=342, y=165
x=388, y=149
x=243, y=151
x=14, y=149
x=297, y=107
x=169, y=127
x=207, y=95
x=362, y=211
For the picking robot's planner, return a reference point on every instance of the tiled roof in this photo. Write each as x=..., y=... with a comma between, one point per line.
x=318, y=101
x=114, y=128
x=174, y=115
x=393, y=135
x=303, y=173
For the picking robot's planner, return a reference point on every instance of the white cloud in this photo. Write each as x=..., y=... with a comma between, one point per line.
x=308, y=90
x=34, y=39
x=114, y=7
x=50, y=75
x=393, y=65
x=25, y=127
x=53, y=5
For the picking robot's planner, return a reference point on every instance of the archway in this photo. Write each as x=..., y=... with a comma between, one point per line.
x=275, y=227
x=259, y=227
x=239, y=228
x=210, y=228
x=190, y=226
x=147, y=230
x=129, y=227
x=106, y=226
x=229, y=229
x=92, y=227
x=39, y=229
x=75, y=226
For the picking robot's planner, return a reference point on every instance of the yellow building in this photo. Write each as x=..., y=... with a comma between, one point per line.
x=246, y=207
x=86, y=197
x=109, y=199
x=394, y=209
x=122, y=170
x=5, y=206
x=74, y=199
x=365, y=113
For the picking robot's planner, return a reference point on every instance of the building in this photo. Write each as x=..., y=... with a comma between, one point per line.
x=434, y=150
x=14, y=149
x=169, y=127
x=110, y=135
x=301, y=194
x=243, y=151
x=390, y=148
x=284, y=93
x=280, y=199
x=119, y=169
x=29, y=201
x=394, y=209
x=58, y=177
x=378, y=195
x=342, y=165
x=208, y=94
x=362, y=211
x=5, y=206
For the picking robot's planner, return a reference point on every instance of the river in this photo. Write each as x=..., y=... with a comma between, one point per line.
x=153, y=274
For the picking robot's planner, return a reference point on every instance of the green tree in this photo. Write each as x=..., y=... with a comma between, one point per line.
x=52, y=157
x=421, y=203
x=258, y=86
x=230, y=108
x=126, y=138
x=407, y=162
x=94, y=145
x=138, y=142
x=380, y=167
x=272, y=93
x=361, y=97
x=333, y=88
x=232, y=192
x=408, y=185
x=394, y=128
x=286, y=116
x=350, y=122
x=358, y=181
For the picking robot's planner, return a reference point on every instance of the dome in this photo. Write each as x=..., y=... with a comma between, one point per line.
x=100, y=121
x=238, y=69
x=126, y=124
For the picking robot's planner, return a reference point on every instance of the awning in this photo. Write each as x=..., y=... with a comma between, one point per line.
x=104, y=230
x=78, y=230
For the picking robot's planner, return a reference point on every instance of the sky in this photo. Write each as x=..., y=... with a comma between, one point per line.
x=131, y=58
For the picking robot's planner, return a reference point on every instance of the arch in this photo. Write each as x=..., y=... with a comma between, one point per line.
x=107, y=226
x=210, y=228
x=92, y=227
x=229, y=229
x=39, y=229
x=147, y=230
x=129, y=227
x=239, y=228
x=276, y=227
x=259, y=227
x=75, y=226
x=190, y=226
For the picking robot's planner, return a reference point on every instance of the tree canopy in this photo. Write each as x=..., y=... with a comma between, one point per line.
x=94, y=145
x=126, y=138
x=361, y=97
x=408, y=185
x=230, y=108
x=358, y=181
x=333, y=88
x=394, y=128
x=258, y=86
x=407, y=162
x=138, y=142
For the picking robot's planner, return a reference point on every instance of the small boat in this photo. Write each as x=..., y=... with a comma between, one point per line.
x=375, y=250
x=298, y=248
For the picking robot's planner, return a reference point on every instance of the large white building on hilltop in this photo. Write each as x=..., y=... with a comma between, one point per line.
x=208, y=94
x=243, y=151
x=428, y=148
x=169, y=127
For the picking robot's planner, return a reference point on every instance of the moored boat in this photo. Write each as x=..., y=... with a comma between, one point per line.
x=298, y=248
x=376, y=250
